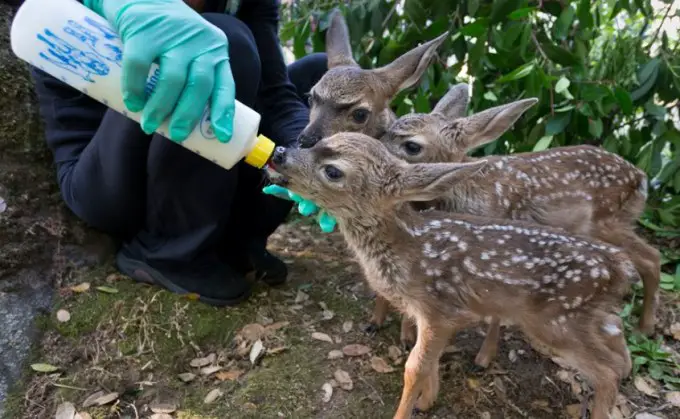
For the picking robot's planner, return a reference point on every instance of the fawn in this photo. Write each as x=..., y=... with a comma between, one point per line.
x=349, y=98
x=448, y=271
x=583, y=189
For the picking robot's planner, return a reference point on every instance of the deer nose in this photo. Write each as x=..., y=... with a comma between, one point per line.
x=307, y=141
x=279, y=156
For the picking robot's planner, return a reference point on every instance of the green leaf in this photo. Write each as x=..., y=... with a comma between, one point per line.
x=625, y=102
x=562, y=85
x=647, y=77
x=564, y=22
x=108, y=290
x=667, y=278
x=489, y=95
x=559, y=55
x=584, y=16
x=543, y=143
x=300, y=41
x=518, y=73
x=595, y=127
x=557, y=123
x=476, y=28
x=593, y=92
x=472, y=6
x=521, y=13
x=44, y=367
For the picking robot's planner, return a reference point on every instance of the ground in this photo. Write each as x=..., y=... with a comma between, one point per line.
x=113, y=348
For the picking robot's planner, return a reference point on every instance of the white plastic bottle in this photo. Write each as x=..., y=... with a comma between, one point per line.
x=72, y=43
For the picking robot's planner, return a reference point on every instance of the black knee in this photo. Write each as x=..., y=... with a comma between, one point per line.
x=245, y=59
x=307, y=71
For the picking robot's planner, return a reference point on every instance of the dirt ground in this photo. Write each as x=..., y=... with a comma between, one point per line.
x=116, y=349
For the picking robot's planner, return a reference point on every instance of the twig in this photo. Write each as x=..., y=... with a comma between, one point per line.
x=658, y=30
x=545, y=56
x=68, y=387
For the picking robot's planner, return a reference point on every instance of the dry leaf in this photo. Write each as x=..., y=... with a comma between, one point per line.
x=356, y=350
x=335, y=354
x=249, y=406
x=114, y=277
x=645, y=386
x=380, y=365
x=162, y=407
x=327, y=315
x=322, y=337
x=230, y=375
x=276, y=326
x=256, y=352
x=278, y=349
x=347, y=326
x=212, y=396
x=108, y=290
x=301, y=297
x=210, y=370
x=65, y=410
x=160, y=416
x=44, y=367
x=83, y=415
x=343, y=379
x=646, y=415
x=91, y=400
x=327, y=392
x=252, y=332
x=106, y=399
x=63, y=316
x=574, y=411
x=485, y=415
x=202, y=362
x=186, y=376
x=512, y=355
x=81, y=287
x=675, y=331
x=616, y=413
x=394, y=353
x=473, y=383
x=673, y=398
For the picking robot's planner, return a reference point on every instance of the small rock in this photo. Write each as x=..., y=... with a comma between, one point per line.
x=256, y=352
x=380, y=365
x=82, y=415
x=301, y=297
x=335, y=354
x=673, y=398
x=163, y=407
x=646, y=415
x=327, y=315
x=344, y=380
x=394, y=352
x=356, y=350
x=202, y=362
x=347, y=326
x=327, y=392
x=252, y=332
x=675, y=331
x=485, y=415
x=160, y=416
x=65, y=410
x=322, y=337
x=63, y=316
x=574, y=411
x=186, y=376
x=212, y=396
x=645, y=386
x=210, y=370
x=512, y=355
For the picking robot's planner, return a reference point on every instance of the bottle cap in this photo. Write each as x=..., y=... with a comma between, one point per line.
x=260, y=154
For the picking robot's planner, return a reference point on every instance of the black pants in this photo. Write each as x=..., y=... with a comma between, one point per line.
x=174, y=203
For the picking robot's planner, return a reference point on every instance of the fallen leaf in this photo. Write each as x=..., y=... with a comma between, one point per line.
x=212, y=396
x=574, y=411
x=252, y=332
x=380, y=365
x=210, y=370
x=256, y=352
x=160, y=416
x=512, y=355
x=673, y=398
x=646, y=415
x=114, y=277
x=301, y=297
x=394, y=352
x=327, y=392
x=473, y=383
x=249, y=406
x=335, y=354
x=347, y=326
x=645, y=386
x=485, y=415
x=81, y=287
x=63, y=316
x=356, y=350
x=675, y=331
x=106, y=399
x=44, y=367
x=327, y=315
x=322, y=337
x=276, y=326
x=91, y=400
x=162, y=407
x=202, y=362
x=82, y=415
x=277, y=350
x=343, y=379
x=616, y=413
x=186, y=376
x=230, y=375
x=108, y=290
x=65, y=410
x=539, y=404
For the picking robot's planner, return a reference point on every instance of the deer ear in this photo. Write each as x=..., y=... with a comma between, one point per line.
x=486, y=126
x=338, y=47
x=455, y=102
x=406, y=70
x=429, y=181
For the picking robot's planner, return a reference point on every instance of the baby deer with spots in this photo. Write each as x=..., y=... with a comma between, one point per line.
x=351, y=99
x=449, y=271
x=582, y=189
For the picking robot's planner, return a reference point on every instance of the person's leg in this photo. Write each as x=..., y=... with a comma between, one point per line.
x=190, y=201
x=265, y=213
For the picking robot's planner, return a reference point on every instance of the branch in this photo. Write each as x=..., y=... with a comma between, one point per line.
x=658, y=30
x=545, y=56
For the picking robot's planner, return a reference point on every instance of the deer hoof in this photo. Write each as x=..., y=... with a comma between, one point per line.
x=371, y=329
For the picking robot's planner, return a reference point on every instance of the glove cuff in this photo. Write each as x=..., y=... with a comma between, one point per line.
x=96, y=6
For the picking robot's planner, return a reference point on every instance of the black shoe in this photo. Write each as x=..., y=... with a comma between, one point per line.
x=268, y=268
x=214, y=282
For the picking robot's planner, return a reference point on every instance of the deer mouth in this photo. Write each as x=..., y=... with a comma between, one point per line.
x=274, y=176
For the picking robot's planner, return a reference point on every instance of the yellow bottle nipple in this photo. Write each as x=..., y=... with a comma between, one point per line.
x=260, y=154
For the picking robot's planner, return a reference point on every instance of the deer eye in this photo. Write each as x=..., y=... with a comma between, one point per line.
x=360, y=115
x=333, y=173
x=412, y=148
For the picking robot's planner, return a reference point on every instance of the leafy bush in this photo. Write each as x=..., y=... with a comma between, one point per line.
x=604, y=71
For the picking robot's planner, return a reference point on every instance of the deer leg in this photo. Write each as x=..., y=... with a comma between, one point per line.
x=420, y=371
x=489, y=347
x=379, y=314
x=408, y=332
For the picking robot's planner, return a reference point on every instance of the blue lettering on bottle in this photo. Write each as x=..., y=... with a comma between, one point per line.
x=106, y=50
x=70, y=58
x=151, y=82
x=205, y=125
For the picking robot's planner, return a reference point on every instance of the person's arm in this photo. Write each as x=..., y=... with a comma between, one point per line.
x=284, y=115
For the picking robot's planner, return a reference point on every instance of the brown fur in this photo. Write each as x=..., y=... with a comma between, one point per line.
x=582, y=189
x=449, y=271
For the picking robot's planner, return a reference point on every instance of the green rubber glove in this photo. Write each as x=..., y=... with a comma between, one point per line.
x=193, y=57
x=305, y=206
